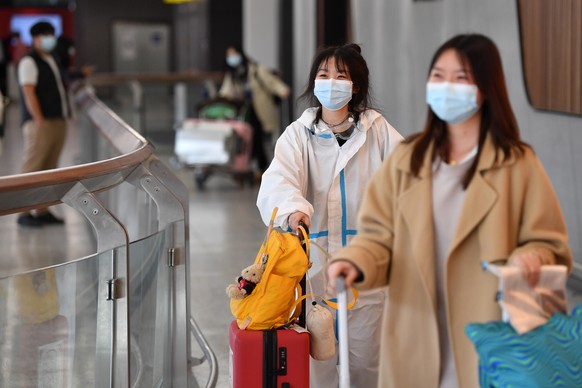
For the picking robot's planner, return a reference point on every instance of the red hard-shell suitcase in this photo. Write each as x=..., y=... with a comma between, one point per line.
x=268, y=359
x=276, y=358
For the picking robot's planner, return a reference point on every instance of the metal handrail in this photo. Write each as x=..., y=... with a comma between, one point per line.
x=114, y=79
x=45, y=188
x=21, y=192
x=208, y=355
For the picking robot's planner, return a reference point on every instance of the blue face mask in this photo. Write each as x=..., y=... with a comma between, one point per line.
x=452, y=102
x=333, y=94
x=234, y=60
x=48, y=42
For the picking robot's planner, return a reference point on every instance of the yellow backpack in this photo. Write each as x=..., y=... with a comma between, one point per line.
x=274, y=301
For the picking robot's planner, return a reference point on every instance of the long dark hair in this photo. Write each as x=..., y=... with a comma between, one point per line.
x=348, y=58
x=481, y=57
x=239, y=73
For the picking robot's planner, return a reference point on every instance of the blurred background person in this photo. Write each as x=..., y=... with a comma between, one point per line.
x=254, y=83
x=45, y=111
x=4, y=61
x=18, y=49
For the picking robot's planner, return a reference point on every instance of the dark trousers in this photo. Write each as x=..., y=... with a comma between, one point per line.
x=259, y=153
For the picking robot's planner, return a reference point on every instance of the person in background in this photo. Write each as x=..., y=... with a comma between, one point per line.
x=465, y=190
x=64, y=52
x=45, y=111
x=18, y=49
x=4, y=61
x=247, y=80
x=323, y=162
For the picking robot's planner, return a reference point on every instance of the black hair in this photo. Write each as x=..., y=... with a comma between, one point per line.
x=42, y=28
x=238, y=73
x=347, y=57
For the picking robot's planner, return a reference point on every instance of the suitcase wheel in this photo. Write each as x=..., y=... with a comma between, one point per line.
x=200, y=177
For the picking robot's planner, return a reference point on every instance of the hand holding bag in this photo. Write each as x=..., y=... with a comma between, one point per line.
x=547, y=356
x=537, y=344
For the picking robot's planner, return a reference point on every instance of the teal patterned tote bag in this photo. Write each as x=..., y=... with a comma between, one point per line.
x=548, y=356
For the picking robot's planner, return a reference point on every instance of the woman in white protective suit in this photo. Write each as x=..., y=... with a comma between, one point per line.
x=322, y=164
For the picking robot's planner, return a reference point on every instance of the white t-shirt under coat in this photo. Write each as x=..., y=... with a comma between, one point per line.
x=448, y=197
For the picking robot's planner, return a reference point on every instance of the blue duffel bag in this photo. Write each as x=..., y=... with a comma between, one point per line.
x=548, y=356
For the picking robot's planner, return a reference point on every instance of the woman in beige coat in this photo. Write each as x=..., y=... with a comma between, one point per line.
x=247, y=80
x=465, y=190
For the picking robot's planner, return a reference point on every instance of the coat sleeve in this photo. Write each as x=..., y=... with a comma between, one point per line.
x=388, y=136
x=371, y=249
x=542, y=227
x=284, y=184
x=394, y=137
x=272, y=82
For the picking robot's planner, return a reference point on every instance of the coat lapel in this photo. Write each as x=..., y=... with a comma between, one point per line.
x=479, y=200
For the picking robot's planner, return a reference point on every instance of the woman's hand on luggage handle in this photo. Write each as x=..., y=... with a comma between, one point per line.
x=295, y=218
x=530, y=264
x=342, y=268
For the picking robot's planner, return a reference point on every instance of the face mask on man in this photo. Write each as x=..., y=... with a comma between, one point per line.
x=452, y=102
x=234, y=60
x=48, y=42
x=333, y=94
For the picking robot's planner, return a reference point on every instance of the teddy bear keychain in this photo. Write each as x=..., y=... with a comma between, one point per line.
x=246, y=283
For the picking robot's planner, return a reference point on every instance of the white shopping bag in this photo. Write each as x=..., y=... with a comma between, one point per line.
x=524, y=307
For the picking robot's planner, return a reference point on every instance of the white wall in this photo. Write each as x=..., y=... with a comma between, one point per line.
x=304, y=45
x=261, y=31
x=399, y=38
x=261, y=36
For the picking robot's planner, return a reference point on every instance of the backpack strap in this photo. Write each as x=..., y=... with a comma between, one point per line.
x=306, y=240
x=331, y=302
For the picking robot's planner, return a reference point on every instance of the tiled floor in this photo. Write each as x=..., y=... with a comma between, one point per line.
x=225, y=233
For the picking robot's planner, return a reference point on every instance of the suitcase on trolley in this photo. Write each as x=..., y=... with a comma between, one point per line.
x=214, y=142
x=210, y=146
x=269, y=358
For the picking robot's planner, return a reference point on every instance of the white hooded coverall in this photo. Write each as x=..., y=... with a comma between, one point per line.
x=311, y=173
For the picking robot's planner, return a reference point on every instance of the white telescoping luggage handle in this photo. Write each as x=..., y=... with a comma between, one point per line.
x=342, y=299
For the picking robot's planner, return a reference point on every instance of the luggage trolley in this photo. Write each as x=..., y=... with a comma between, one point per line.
x=218, y=141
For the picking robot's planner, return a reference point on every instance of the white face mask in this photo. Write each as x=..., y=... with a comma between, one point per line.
x=452, y=102
x=333, y=94
x=48, y=42
x=234, y=60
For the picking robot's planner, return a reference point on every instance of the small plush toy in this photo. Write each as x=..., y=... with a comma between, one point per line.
x=247, y=282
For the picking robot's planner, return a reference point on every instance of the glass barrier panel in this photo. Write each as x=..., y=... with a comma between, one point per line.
x=150, y=312
x=53, y=328
x=134, y=209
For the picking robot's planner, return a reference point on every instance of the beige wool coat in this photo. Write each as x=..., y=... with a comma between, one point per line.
x=264, y=85
x=510, y=206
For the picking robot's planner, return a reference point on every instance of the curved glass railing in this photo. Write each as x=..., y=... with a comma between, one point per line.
x=119, y=316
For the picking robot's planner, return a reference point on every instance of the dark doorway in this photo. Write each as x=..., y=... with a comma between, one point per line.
x=333, y=22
